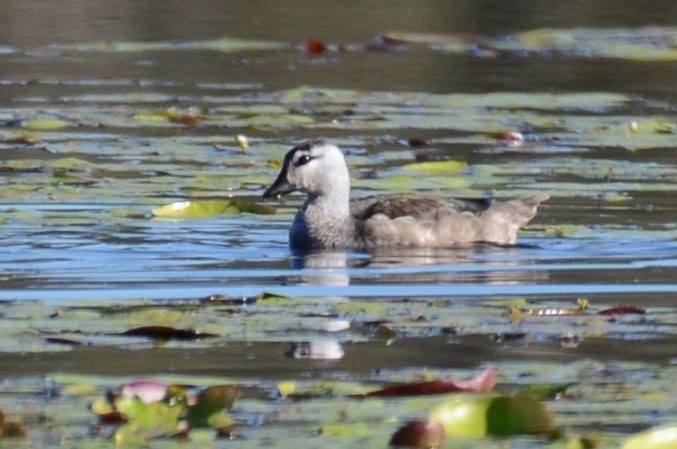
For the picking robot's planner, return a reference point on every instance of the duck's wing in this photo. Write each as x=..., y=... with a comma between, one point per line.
x=420, y=208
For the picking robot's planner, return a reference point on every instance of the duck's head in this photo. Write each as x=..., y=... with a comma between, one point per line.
x=316, y=167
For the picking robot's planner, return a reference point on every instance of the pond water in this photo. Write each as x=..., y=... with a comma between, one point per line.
x=109, y=114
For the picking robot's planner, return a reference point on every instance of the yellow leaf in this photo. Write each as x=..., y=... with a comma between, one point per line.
x=664, y=437
x=286, y=388
x=211, y=208
x=436, y=167
x=45, y=124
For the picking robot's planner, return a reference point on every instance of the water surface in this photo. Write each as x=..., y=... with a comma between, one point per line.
x=108, y=114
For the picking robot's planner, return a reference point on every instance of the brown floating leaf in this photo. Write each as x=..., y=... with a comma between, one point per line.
x=10, y=428
x=24, y=139
x=416, y=142
x=166, y=333
x=483, y=383
x=623, y=310
x=314, y=47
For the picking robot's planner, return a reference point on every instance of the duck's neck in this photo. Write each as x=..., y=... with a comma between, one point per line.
x=324, y=221
x=335, y=205
x=334, y=197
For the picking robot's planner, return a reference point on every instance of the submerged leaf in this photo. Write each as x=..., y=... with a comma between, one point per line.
x=211, y=208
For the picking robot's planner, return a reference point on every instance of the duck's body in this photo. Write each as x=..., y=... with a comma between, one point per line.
x=330, y=220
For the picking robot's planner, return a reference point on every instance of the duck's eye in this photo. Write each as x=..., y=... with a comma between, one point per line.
x=302, y=160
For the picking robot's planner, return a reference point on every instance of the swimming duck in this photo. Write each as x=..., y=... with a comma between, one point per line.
x=329, y=219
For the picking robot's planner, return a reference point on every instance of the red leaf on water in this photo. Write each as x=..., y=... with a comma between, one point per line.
x=483, y=383
x=314, y=47
x=623, y=310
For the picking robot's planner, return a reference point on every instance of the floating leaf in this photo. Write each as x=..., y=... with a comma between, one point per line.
x=70, y=163
x=22, y=139
x=314, y=47
x=428, y=38
x=211, y=208
x=483, y=383
x=166, y=333
x=664, y=437
x=623, y=310
x=45, y=124
x=436, y=167
x=209, y=406
x=642, y=44
x=545, y=391
x=286, y=388
x=147, y=420
x=9, y=428
x=483, y=415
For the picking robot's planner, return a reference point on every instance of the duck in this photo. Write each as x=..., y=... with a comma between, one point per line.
x=330, y=220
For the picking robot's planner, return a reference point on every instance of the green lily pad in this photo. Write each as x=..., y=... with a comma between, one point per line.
x=487, y=415
x=146, y=421
x=208, y=410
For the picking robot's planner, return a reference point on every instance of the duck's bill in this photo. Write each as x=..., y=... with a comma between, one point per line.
x=280, y=187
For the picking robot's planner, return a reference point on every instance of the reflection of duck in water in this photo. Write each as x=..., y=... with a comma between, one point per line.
x=329, y=219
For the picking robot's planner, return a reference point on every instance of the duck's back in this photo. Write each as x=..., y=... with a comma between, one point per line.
x=421, y=208
x=423, y=221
